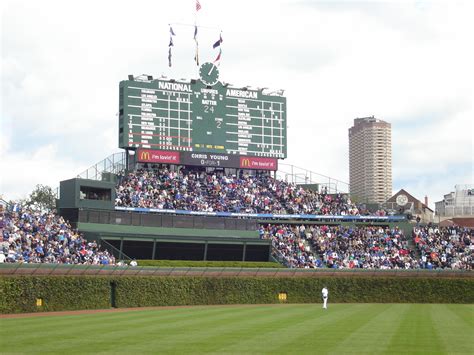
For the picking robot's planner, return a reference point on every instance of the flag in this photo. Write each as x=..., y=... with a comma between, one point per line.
x=218, y=43
x=196, y=56
x=218, y=56
x=171, y=44
x=198, y=5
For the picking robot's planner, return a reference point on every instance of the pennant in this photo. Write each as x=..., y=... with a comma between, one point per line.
x=171, y=44
x=218, y=43
x=218, y=58
x=196, y=57
x=198, y=5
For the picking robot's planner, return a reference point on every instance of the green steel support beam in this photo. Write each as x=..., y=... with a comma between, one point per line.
x=121, y=249
x=154, y=250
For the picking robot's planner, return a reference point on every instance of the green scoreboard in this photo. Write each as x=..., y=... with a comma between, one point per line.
x=201, y=115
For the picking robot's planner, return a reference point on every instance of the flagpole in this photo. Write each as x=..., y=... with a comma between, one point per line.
x=191, y=25
x=197, y=8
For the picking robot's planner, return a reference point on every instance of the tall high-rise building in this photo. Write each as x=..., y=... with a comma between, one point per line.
x=370, y=160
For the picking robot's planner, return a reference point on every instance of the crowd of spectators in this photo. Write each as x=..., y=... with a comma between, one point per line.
x=29, y=236
x=290, y=245
x=341, y=247
x=368, y=247
x=445, y=247
x=195, y=190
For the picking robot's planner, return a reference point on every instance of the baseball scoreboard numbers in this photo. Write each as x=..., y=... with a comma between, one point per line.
x=197, y=117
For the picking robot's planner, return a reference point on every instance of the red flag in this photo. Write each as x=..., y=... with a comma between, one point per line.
x=198, y=5
x=218, y=56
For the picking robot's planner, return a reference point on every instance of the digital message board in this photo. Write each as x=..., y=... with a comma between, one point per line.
x=201, y=115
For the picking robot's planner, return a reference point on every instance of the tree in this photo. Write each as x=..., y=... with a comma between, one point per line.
x=43, y=197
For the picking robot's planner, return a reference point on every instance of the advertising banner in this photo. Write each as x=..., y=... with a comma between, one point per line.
x=217, y=160
x=268, y=215
x=228, y=161
x=157, y=156
x=256, y=163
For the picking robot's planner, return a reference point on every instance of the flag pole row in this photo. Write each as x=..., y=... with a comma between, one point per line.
x=196, y=55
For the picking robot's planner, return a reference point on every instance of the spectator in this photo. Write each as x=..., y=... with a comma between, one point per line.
x=444, y=248
x=31, y=236
x=341, y=247
x=215, y=191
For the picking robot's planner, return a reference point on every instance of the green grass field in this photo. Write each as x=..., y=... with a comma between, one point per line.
x=297, y=329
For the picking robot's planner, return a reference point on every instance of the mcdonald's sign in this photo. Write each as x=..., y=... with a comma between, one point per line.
x=144, y=156
x=258, y=163
x=157, y=156
x=245, y=163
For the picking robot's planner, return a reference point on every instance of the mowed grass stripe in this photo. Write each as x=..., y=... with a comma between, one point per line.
x=464, y=312
x=302, y=328
x=87, y=325
x=374, y=333
x=208, y=336
x=452, y=329
x=101, y=334
x=299, y=334
x=256, y=334
x=329, y=336
x=32, y=321
x=416, y=332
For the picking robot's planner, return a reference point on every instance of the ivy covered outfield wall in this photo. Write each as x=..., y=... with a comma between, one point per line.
x=20, y=294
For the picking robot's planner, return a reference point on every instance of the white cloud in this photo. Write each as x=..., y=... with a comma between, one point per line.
x=407, y=62
x=23, y=170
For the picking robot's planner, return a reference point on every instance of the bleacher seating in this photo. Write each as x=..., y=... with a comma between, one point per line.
x=366, y=247
x=444, y=248
x=29, y=236
x=195, y=190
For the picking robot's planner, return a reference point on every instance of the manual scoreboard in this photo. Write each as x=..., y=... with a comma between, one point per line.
x=201, y=115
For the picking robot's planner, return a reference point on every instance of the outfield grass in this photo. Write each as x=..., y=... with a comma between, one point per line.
x=297, y=329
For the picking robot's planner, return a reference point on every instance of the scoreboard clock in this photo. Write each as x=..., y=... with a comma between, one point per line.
x=209, y=73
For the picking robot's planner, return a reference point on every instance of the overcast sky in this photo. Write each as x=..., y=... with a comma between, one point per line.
x=409, y=63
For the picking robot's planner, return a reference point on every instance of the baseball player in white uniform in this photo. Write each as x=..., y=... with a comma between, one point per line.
x=325, y=294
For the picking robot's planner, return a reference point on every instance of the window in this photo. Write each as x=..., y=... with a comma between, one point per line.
x=95, y=193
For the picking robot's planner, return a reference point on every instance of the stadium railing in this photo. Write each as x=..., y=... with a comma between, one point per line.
x=112, y=270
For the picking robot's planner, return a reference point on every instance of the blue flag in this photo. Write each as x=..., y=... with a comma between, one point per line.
x=218, y=43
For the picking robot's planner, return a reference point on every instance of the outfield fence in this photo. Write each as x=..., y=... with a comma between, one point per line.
x=109, y=270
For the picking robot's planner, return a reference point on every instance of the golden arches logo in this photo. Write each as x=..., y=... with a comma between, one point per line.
x=245, y=163
x=144, y=155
